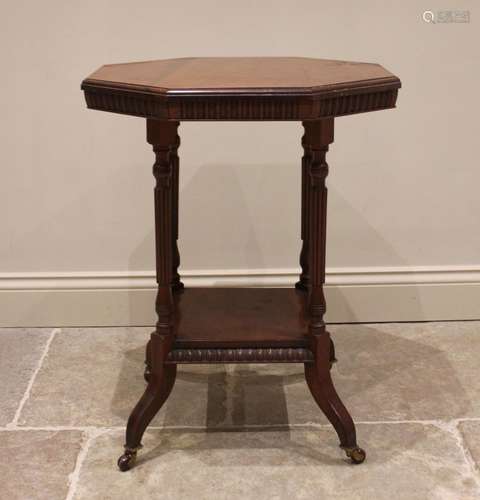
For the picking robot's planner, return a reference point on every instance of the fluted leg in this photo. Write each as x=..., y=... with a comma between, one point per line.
x=160, y=376
x=304, y=281
x=319, y=134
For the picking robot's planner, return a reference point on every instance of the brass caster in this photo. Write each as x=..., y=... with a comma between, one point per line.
x=127, y=460
x=147, y=373
x=357, y=455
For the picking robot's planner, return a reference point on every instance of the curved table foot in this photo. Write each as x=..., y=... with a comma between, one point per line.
x=161, y=378
x=323, y=391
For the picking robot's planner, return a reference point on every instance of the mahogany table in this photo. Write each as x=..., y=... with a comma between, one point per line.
x=235, y=325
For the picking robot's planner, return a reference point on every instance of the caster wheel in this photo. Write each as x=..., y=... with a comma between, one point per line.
x=356, y=455
x=126, y=461
x=146, y=374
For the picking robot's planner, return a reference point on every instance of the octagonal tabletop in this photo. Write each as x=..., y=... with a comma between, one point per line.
x=224, y=87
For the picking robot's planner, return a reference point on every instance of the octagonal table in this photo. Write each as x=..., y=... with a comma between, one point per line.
x=240, y=325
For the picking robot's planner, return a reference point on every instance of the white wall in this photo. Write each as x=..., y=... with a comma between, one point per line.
x=76, y=187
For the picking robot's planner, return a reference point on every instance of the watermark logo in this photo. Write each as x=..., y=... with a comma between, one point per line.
x=446, y=16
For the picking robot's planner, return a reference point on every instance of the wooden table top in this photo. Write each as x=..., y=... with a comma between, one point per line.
x=248, y=74
x=274, y=87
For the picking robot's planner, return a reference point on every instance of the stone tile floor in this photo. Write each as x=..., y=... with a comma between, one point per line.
x=242, y=431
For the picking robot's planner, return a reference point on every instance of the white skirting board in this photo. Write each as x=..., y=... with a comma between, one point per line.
x=127, y=298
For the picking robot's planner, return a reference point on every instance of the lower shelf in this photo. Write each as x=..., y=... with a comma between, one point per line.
x=252, y=319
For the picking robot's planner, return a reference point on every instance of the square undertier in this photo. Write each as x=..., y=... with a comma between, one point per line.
x=230, y=318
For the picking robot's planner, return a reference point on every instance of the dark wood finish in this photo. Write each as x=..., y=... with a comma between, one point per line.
x=304, y=281
x=160, y=383
x=207, y=318
x=240, y=325
x=241, y=74
x=159, y=375
x=320, y=383
x=241, y=88
x=163, y=137
x=319, y=135
x=177, y=285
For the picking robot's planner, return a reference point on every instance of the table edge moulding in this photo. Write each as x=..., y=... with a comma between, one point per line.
x=240, y=325
x=371, y=88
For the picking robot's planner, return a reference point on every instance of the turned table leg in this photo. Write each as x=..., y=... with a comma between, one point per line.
x=160, y=376
x=318, y=135
x=304, y=281
x=177, y=284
